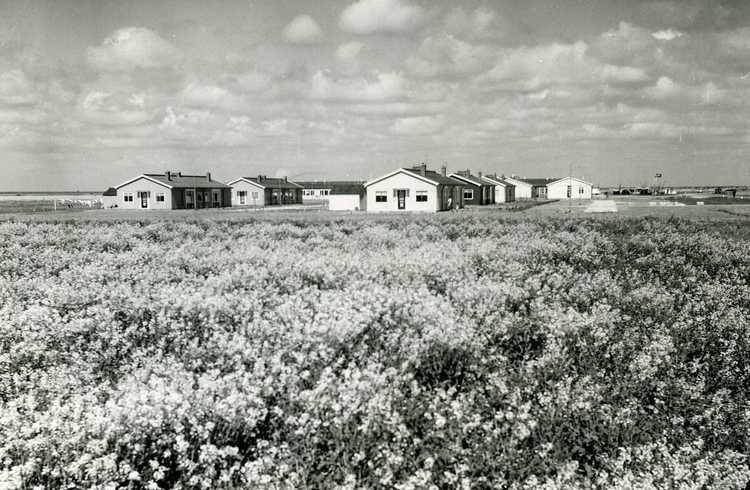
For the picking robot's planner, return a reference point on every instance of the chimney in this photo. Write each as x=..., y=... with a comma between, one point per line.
x=479, y=174
x=444, y=170
x=260, y=178
x=168, y=175
x=423, y=169
x=208, y=176
x=285, y=179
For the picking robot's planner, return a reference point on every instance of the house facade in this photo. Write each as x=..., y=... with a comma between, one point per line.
x=172, y=190
x=414, y=189
x=504, y=190
x=265, y=191
x=569, y=188
x=318, y=190
x=539, y=187
x=523, y=189
x=476, y=191
x=347, y=197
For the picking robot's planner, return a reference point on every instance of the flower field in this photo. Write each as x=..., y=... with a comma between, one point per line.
x=449, y=351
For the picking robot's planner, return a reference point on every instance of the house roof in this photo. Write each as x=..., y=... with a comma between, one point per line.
x=347, y=189
x=110, y=192
x=470, y=179
x=430, y=176
x=571, y=178
x=176, y=180
x=269, y=182
x=494, y=179
x=516, y=181
x=328, y=184
x=540, y=182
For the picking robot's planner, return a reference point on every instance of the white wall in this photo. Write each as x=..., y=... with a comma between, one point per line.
x=110, y=201
x=347, y=202
x=523, y=189
x=402, y=181
x=559, y=189
x=144, y=185
x=317, y=195
x=241, y=185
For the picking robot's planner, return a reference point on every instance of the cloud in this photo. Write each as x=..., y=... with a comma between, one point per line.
x=420, y=125
x=133, y=48
x=612, y=73
x=369, y=16
x=209, y=96
x=348, y=52
x=481, y=23
x=445, y=54
x=16, y=88
x=666, y=35
x=303, y=30
x=108, y=109
x=386, y=86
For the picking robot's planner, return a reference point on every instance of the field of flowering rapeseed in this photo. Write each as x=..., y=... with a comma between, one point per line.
x=450, y=351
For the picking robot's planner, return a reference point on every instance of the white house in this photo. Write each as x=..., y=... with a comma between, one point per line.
x=523, y=189
x=318, y=190
x=171, y=190
x=569, y=188
x=347, y=197
x=414, y=189
x=504, y=190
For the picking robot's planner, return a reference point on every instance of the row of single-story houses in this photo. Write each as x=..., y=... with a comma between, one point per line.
x=405, y=189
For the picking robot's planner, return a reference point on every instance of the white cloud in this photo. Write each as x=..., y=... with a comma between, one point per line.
x=133, y=48
x=483, y=22
x=612, y=73
x=108, y=109
x=16, y=88
x=420, y=125
x=445, y=54
x=368, y=16
x=209, y=96
x=386, y=86
x=348, y=52
x=666, y=35
x=303, y=29
x=533, y=68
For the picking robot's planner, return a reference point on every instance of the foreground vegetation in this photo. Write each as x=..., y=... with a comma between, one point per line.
x=453, y=351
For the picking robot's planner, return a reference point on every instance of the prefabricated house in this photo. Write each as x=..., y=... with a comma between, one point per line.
x=318, y=190
x=476, y=190
x=539, y=187
x=523, y=188
x=265, y=191
x=109, y=198
x=172, y=190
x=569, y=188
x=504, y=190
x=347, y=197
x=414, y=189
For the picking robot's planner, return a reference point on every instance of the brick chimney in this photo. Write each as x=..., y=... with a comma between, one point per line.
x=168, y=175
x=479, y=174
x=423, y=169
x=444, y=170
x=208, y=176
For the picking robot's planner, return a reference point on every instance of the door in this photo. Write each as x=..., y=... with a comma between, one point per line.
x=144, y=199
x=401, y=196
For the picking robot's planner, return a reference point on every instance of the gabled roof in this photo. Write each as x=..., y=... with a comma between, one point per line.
x=470, y=179
x=328, y=184
x=494, y=179
x=269, y=182
x=571, y=178
x=540, y=182
x=180, y=181
x=347, y=189
x=429, y=177
x=110, y=192
x=516, y=181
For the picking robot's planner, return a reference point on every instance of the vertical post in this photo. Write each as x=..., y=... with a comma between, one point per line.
x=55, y=201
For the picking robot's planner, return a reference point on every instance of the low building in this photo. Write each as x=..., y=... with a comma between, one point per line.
x=414, y=189
x=476, y=191
x=569, y=188
x=539, y=187
x=347, y=197
x=109, y=198
x=523, y=189
x=172, y=190
x=265, y=191
x=504, y=190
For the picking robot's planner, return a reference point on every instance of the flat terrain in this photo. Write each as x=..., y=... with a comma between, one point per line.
x=303, y=349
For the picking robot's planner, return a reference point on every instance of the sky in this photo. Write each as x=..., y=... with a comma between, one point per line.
x=94, y=92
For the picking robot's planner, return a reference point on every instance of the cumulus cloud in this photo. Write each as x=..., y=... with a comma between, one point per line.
x=348, y=52
x=303, y=29
x=133, y=48
x=421, y=125
x=482, y=22
x=114, y=109
x=445, y=54
x=16, y=88
x=369, y=16
x=666, y=35
x=208, y=96
x=385, y=86
x=612, y=73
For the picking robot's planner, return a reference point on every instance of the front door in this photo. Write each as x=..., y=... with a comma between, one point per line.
x=401, y=196
x=144, y=199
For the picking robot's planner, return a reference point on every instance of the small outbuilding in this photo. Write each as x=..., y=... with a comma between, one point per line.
x=476, y=190
x=265, y=191
x=172, y=190
x=347, y=196
x=414, y=189
x=109, y=198
x=523, y=189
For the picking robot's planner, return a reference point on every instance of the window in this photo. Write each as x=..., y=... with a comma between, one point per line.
x=580, y=190
x=216, y=198
x=189, y=198
x=255, y=196
x=127, y=197
x=325, y=192
x=421, y=196
x=568, y=191
x=242, y=196
x=159, y=197
x=381, y=196
x=469, y=194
